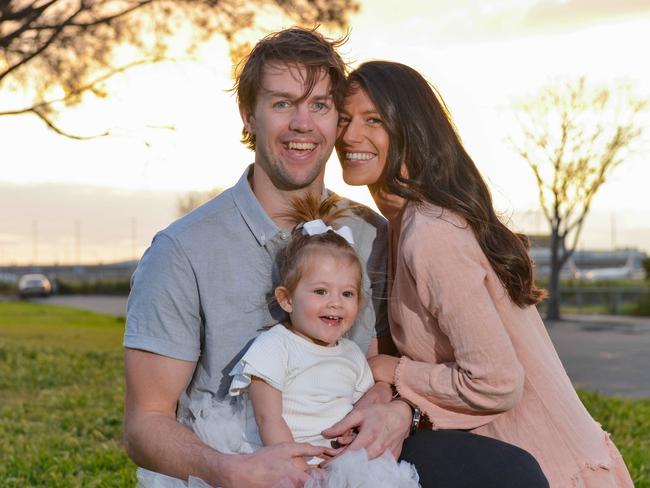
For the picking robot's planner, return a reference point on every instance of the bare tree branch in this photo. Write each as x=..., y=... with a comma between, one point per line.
x=26, y=59
x=82, y=89
x=50, y=46
x=40, y=108
x=59, y=131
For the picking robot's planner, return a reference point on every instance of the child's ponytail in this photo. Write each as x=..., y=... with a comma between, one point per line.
x=302, y=245
x=310, y=207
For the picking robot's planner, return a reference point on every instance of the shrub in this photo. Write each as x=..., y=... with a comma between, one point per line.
x=94, y=287
x=643, y=306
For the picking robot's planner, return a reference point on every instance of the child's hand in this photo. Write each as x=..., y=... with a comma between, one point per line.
x=383, y=367
x=331, y=452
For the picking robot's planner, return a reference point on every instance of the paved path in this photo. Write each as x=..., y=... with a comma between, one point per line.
x=109, y=305
x=604, y=353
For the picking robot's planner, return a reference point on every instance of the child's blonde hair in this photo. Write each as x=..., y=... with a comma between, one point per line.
x=302, y=246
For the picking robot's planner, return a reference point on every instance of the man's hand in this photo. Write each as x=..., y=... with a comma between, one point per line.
x=267, y=467
x=383, y=367
x=379, y=427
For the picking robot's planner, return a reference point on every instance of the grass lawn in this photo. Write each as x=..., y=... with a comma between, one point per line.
x=61, y=397
x=61, y=394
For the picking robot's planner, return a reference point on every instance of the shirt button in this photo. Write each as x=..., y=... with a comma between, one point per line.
x=284, y=235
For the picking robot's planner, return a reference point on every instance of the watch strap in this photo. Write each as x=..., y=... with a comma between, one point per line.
x=416, y=415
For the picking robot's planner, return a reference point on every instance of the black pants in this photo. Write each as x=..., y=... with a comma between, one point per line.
x=457, y=459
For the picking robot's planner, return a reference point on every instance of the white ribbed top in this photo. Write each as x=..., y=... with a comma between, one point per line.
x=319, y=384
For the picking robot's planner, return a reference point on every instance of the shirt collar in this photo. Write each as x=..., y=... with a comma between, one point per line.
x=257, y=220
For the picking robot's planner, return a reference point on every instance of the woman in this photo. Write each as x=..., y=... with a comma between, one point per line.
x=476, y=355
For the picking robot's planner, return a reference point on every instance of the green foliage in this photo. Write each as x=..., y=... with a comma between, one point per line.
x=8, y=288
x=601, y=309
x=628, y=421
x=643, y=306
x=94, y=287
x=610, y=297
x=61, y=397
x=571, y=283
x=62, y=390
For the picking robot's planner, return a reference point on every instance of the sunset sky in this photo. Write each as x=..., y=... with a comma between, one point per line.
x=110, y=195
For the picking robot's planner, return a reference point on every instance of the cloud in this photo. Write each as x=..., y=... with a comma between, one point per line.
x=55, y=216
x=465, y=22
x=563, y=14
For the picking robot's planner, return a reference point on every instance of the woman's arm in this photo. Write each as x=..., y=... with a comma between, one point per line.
x=484, y=377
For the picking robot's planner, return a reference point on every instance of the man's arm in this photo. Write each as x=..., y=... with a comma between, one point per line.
x=156, y=441
x=153, y=437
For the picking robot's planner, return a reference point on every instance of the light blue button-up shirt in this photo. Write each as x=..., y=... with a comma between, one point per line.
x=202, y=291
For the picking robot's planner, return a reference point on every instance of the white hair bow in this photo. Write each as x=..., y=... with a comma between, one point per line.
x=315, y=227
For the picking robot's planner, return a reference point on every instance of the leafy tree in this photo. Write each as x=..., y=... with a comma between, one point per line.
x=573, y=136
x=57, y=51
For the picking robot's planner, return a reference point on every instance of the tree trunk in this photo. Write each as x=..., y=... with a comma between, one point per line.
x=553, y=306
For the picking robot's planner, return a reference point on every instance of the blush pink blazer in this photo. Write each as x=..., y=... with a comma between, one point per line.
x=474, y=360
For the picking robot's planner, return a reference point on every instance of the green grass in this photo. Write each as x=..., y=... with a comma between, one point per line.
x=61, y=396
x=602, y=309
x=628, y=422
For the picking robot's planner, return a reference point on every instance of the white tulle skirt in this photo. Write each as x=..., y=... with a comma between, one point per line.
x=223, y=425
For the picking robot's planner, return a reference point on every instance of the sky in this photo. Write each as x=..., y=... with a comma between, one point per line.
x=176, y=128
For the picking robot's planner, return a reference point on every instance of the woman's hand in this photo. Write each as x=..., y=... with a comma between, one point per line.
x=383, y=367
x=379, y=427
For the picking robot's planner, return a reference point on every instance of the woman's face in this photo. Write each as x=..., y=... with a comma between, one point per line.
x=362, y=141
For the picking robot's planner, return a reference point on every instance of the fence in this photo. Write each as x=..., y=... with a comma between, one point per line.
x=612, y=300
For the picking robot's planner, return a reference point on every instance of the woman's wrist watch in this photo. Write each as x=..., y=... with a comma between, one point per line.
x=416, y=415
x=415, y=420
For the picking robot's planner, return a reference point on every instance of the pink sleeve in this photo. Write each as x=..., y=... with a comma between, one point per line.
x=486, y=378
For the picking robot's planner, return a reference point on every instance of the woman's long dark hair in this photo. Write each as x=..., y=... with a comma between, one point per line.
x=423, y=137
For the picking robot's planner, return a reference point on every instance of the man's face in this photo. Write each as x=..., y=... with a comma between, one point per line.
x=294, y=139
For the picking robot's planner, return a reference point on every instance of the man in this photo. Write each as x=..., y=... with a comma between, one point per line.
x=199, y=293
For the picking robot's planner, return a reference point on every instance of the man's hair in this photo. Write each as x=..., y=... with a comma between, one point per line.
x=295, y=46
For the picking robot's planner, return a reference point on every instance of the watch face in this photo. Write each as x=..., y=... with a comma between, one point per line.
x=415, y=422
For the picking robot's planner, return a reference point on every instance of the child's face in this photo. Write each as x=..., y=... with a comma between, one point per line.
x=325, y=303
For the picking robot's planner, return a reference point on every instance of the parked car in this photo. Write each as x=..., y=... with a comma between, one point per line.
x=34, y=285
